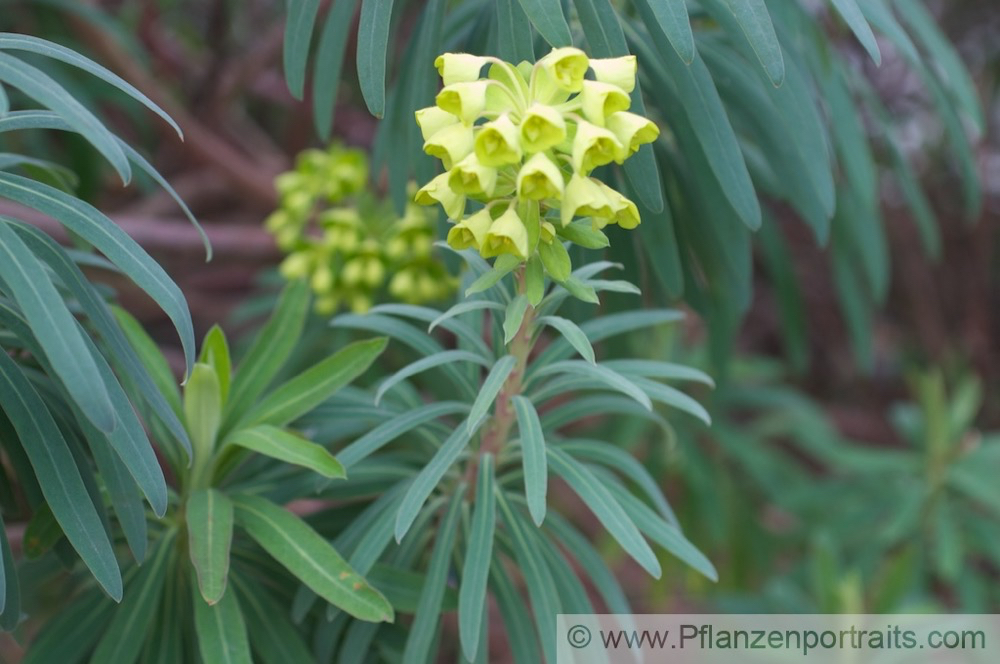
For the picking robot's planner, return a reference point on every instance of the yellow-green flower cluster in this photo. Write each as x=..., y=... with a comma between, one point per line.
x=522, y=142
x=351, y=247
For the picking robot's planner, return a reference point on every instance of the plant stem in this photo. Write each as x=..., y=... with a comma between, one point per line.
x=497, y=431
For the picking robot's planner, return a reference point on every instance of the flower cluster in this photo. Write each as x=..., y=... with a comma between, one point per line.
x=347, y=244
x=521, y=144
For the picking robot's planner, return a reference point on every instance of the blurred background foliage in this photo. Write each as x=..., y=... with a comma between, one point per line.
x=840, y=254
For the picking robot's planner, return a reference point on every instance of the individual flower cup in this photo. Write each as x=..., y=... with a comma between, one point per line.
x=619, y=72
x=539, y=179
x=599, y=100
x=471, y=231
x=450, y=144
x=497, y=143
x=595, y=146
x=506, y=235
x=438, y=191
x=542, y=127
x=471, y=178
x=632, y=131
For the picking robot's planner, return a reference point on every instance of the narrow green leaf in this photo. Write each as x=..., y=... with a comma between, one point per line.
x=41, y=533
x=548, y=19
x=501, y=269
x=447, y=357
x=125, y=497
x=592, y=564
x=209, y=519
x=534, y=281
x=10, y=41
x=851, y=13
x=459, y=328
x=942, y=52
x=514, y=36
x=310, y=558
x=672, y=397
x=607, y=510
x=45, y=90
x=269, y=351
x=536, y=472
x=428, y=478
x=756, y=23
x=601, y=373
x=556, y=260
x=298, y=37
x=215, y=353
x=329, y=63
x=462, y=308
x=373, y=41
x=478, y=555
x=515, y=615
x=113, y=242
x=572, y=333
x=544, y=597
x=583, y=234
x=54, y=328
x=203, y=411
x=513, y=317
x=666, y=535
x=580, y=290
x=58, y=475
x=490, y=389
x=273, y=636
x=388, y=431
x=221, y=630
x=279, y=444
x=314, y=386
x=123, y=639
x=424, y=628
x=672, y=17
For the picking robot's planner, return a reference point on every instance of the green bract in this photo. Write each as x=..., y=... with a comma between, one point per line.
x=351, y=246
x=522, y=141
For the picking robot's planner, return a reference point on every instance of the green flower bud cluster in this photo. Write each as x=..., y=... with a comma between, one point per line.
x=352, y=247
x=521, y=143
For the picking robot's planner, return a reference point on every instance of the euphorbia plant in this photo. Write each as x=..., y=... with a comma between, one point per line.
x=206, y=588
x=456, y=469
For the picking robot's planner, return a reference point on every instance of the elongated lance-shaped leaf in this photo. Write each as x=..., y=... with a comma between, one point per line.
x=672, y=17
x=284, y=446
x=113, y=242
x=50, y=120
x=428, y=613
x=112, y=333
x=54, y=328
x=427, y=480
x=448, y=357
x=605, y=508
x=269, y=351
x=123, y=639
x=215, y=353
x=572, y=333
x=221, y=630
x=536, y=472
x=514, y=40
x=125, y=497
x=459, y=328
x=612, y=379
x=756, y=23
x=45, y=90
x=329, y=63
x=617, y=458
x=388, y=431
x=851, y=13
x=203, y=411
x=273, y=636
x=10, y=41
x=209, y=519
x=314, y=386
x=4, y=101
x=58, y=475
x=545, y=600
x=666, y=535
x=514, y=317
x=491, y=388
x=373, y=42
x=298, y=36
x=548, y=19
x=464, y=307
x=478, y=555
x=310, y=558
x=592, y=564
